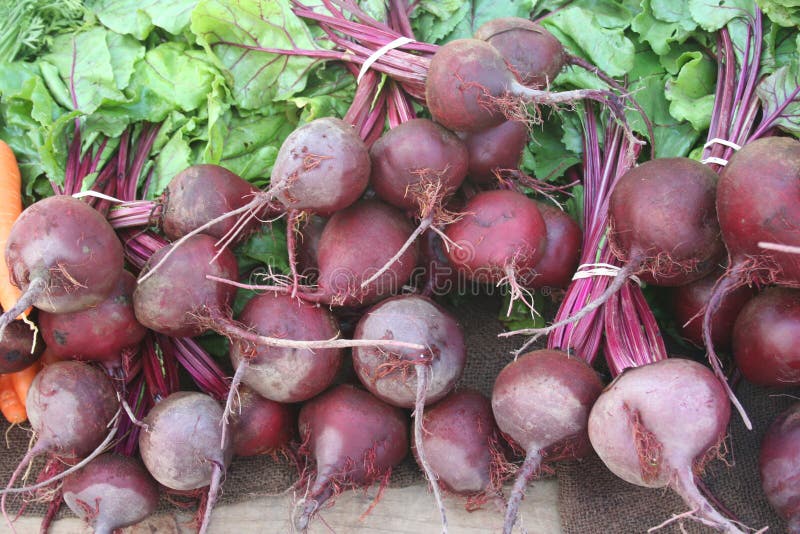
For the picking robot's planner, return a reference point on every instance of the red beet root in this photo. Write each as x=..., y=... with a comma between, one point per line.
x=354, y=440
x=779, y=463
x=765, y=338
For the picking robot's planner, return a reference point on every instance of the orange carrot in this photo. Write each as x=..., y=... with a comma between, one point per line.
x=10, y=404
x=21, y=380
x=10, y=208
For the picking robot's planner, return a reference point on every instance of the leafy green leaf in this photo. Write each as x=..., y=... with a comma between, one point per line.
x=265, y=248
x=711, y=15
x=233, y=33
x=432, y=21
x=84, y=63
x=138, y=17
x=691, y=92
x=782, y=12
x=780, y=98
x=546, y=157
x=578, y=30
x=486, y=10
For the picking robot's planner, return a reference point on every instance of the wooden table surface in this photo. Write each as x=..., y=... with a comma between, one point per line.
x=400, y=511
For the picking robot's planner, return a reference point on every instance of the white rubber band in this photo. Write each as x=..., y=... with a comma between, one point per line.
x=725, y=142
x=397, y=43
x=97, y=195
x=713, y=159
x=588, y=270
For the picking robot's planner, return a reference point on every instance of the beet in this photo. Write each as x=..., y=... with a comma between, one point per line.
x=260, y=426
x=178, y=300
x=100, y=333
x=202, y=193
x=470, y=87
x=500, y=238
x=534, y=55
x=663, y=221
x=182, y=445
x=765, y=338
x=688, y=302
x=322, y=166
x=356, y=242
x=20, y=347
x=779, y=464
x=63, y=255
x=659, y=424
x=309, y=235
x=562, y=252
x=417, y=163
x=353, y=439
x=389, y=373
x=493, y=149
x=287, y=374
x=541, y=401
x=111, y=492
x=461, y=445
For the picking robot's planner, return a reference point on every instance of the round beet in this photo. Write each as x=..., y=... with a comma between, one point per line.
x=183, y=447
x=178, y=299
x=322, y=166
x=470, y=87
x=20, y=347
x=501, y=237
x=285, y=374
x=495, y=148
x=460, y=441
x=658, y=424
x=111, y=492
x=689, y=301
x=779, y=464
x=541, y=401
x=353, y=439
x=533, y=53
x=562, y=252
x=417, y=163
x=259, y=425
x=100, y=333
x=389, y=374
x=64, y=255
x=356, y=242
x=663, y=221
x=765, y=338
x=202, y=193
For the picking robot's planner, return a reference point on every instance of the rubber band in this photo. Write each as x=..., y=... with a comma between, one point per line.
x=588, y=270
x=397, y=43
x=97, y=195
x=724, y=142
x=714, y=159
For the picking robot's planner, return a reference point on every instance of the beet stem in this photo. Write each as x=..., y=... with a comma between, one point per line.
x=419, y=407
x=533, y=460
x=232, y=393
x=310, y=506
x=622, y=276
x=291, y=247
x=729, y=281
x=34, y=291
x=213, y=492
x=705, y=513
x=94, y=454
x=229, y=327
x=423, y=225
x=258, y=200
